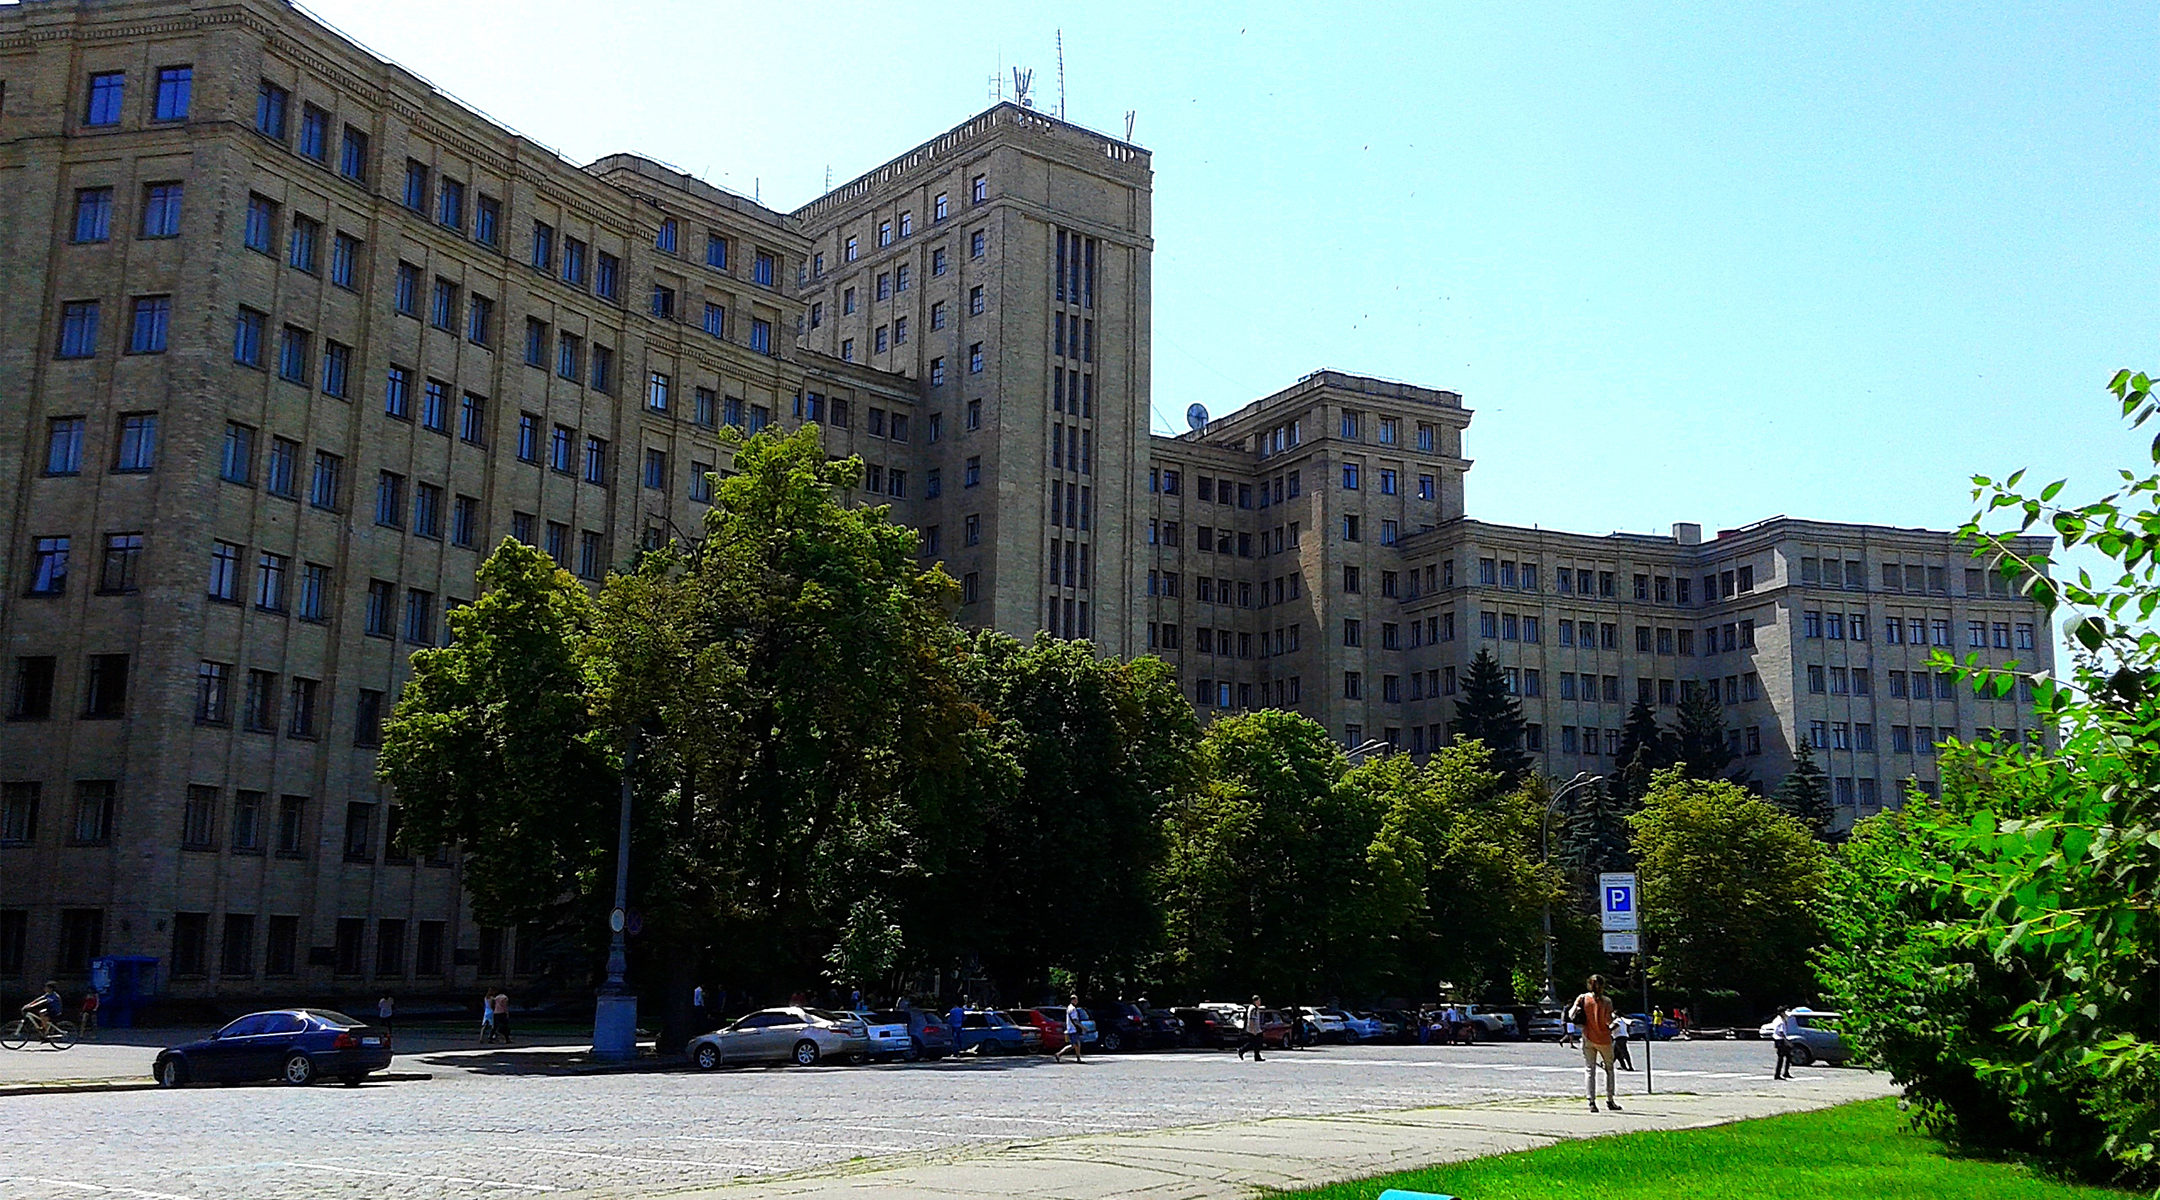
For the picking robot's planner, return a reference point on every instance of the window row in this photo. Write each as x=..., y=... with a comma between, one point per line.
x=134, y=444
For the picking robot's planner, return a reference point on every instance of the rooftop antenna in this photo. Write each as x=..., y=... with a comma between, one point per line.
x=1130, y=113
x=1023, y=83
x=828, y=166
x=1061, y=73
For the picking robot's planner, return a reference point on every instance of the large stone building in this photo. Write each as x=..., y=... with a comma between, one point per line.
x=291, y=339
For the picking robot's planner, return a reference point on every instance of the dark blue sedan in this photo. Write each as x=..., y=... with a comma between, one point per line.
x=297, y=1045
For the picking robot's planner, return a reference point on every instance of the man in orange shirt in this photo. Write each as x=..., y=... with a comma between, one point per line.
x=1594, y=1014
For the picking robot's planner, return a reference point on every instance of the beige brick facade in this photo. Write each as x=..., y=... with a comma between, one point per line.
x=292, y=340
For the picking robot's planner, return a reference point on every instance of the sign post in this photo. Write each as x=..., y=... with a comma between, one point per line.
x=1621, y=916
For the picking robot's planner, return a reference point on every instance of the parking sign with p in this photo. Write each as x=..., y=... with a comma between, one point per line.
x=1616, y=890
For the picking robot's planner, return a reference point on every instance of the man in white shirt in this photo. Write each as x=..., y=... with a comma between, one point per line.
x=1073, y=1031
x=1781, y=1038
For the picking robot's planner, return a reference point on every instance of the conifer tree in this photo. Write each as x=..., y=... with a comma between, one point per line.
x=1492, y=715
x=1644, y=748
x=1698, y=739
x=1805, y=793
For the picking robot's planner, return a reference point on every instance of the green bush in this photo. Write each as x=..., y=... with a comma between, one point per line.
x=1996, y=949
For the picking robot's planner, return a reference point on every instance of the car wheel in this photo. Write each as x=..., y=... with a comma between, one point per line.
x=806, y=1053
x=172, y=1073
x=1112, y=1042
x=299, y=1070
x=1352, y=1037
x=1800, y=1055
x=706, y=1056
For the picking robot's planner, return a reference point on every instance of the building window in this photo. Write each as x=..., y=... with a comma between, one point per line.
x=107, y=91
x=315, y=133
x=324, y=484
x=716, y=252
x=293, y=355
x=137, y=449
x=344, y=261
x=664, y=236
x=405, y=293
x=979, y=189
x=161, y=210
x=596, y=461
x=272, y=103
x=607, y=276
x=93, y=215
x=152, y=316
x=106, y=693
x=353, y=158
x=78, y=329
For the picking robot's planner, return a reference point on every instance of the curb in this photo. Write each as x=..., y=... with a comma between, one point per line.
x=64, y=1087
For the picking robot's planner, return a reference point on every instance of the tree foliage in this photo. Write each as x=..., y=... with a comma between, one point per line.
x=1488, y=712
x=1699, y=742
x=1999, y=949
x=1804, y=794
x=492, y=746
x=1729, y=888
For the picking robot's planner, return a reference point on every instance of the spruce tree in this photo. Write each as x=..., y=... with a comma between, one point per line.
x=1492, y=715
x=1642, y=737
x=1699, y=743
x=1805, y=793
x=1644, y=748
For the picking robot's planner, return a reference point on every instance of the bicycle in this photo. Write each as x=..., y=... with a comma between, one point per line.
x=19, y=1034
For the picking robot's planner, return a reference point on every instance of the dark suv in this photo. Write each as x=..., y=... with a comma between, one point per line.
x=1120, y=1025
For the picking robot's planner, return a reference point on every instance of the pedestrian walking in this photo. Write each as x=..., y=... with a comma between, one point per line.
x=1073, y=1031
x=1594, y=1013
x=1253, y=1026
x=1619, y=1044
x=697, y=1007
x=953, y=1020
x=1781, y=1043
x=89, y=1013
x=487, y=1017
x=501, y=1005
x=386, y=1014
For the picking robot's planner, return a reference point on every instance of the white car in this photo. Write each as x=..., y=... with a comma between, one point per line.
x=1325, y=1024
x=1491, y=1023
x=890, y=1036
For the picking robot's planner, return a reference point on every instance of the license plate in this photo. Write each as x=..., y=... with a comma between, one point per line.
x=367, y=1041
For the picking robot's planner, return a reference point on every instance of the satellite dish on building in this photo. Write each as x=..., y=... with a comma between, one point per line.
x=1196, y=416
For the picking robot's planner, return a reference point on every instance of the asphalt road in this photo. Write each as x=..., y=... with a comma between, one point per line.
x=483, y=1128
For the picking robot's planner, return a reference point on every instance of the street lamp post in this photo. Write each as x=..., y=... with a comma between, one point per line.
x=1582, y=780
x=615, y=1012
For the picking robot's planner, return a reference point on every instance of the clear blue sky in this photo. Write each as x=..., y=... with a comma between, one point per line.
x=1687, y=262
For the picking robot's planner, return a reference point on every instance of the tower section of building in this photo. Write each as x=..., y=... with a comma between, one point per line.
x=1004, y=267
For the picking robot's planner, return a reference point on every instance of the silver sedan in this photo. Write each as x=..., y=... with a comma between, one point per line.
x=798, y=1035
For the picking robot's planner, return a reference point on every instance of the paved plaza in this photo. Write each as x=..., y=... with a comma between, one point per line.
x=503, y=1124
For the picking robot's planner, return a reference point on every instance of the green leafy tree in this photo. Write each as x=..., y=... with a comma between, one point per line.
x=1699, y=743
x=791, y=675
x=1729, y=887
x=1066, y=874
x=1268, y=883
x=493, y=747
x=1457, y=854
x=1805, y=793
x=1489, y=713
x=1996, y=949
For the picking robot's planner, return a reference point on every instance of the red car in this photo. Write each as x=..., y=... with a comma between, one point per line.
x=1050, y=1022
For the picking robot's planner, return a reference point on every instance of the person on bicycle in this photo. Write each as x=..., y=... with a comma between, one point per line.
x=45, y=1010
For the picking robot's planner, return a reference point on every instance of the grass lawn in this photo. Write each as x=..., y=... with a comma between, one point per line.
x=1857, y=1150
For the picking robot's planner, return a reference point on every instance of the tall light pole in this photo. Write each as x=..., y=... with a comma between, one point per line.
x=1581, y=781
x=615, y=1012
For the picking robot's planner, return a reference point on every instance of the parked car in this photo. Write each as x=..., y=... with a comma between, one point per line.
x=1546, y=1025
x=1204, y=1027
x=1166, y=1031
x=988, y=1031
x=1814, y=1038
x=1322, y=1024
x=890, y=1036
x=297, y=1045
x=1049, y=1023
x=1361, y=1027
x=1395, y=1024
x=1121, y=1025
x=802, y=1036
x=1493, y=1024
x=1639, y=1024
x=928, y=1033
